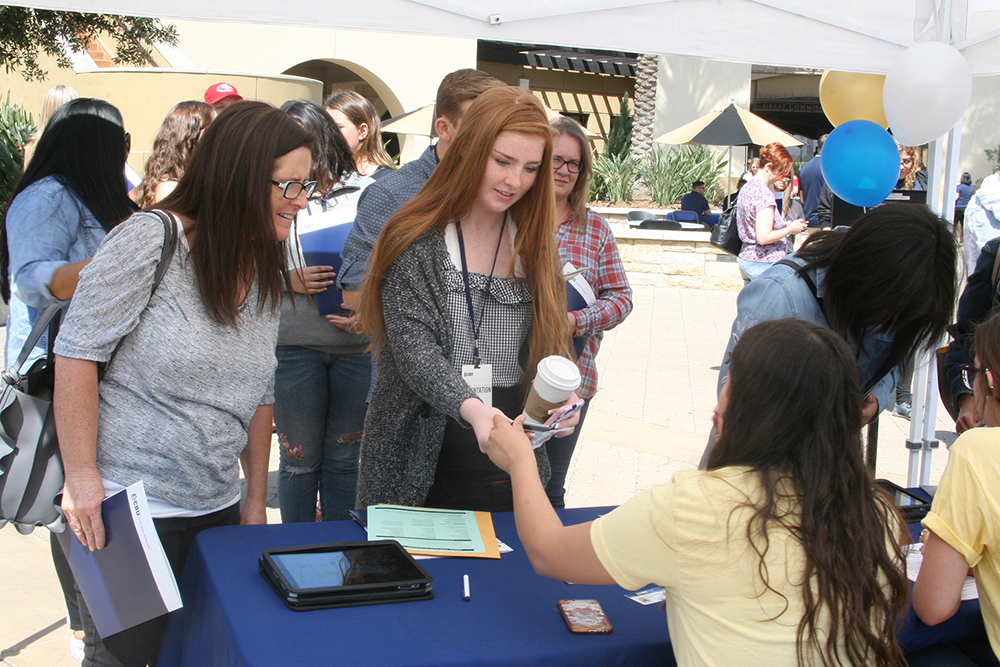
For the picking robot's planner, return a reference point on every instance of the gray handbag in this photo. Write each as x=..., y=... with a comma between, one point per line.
x=31, y=471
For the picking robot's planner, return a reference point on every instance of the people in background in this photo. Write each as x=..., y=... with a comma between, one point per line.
x=963, y=517
x=360, y=125
x=695, y=201
x=55, y=98
x=72, y=193
x=811, y=182
x=188, y=395
x=585, y=240
x=752, y=552
x=981, y=223
x=763, y=232
x=964, y=192
x=221, y=95
x=463, y=283
x=172, y=149
x=454, y=96
x=912, y=175
x=323, y=373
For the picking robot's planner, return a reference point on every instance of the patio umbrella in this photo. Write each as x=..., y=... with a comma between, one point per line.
x=421, y=121
x=732, y=126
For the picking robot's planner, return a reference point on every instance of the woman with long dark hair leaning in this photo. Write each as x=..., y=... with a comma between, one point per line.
x=752, y=552
x=188, y=396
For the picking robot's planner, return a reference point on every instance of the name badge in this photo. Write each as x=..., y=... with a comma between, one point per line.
x=481, y=381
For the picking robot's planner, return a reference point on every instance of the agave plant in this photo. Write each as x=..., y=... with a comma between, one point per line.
x=16, y=129
x=669, y=172
x=614, y=178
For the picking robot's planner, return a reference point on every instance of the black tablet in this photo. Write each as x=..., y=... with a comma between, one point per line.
x=910, y=505
x=344, y=574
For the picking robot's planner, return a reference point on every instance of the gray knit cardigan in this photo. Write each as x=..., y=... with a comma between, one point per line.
x=417, y=388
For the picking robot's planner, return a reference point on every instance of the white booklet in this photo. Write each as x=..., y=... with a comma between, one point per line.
x=129, y=581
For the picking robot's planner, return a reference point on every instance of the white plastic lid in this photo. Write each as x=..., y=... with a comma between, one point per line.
x=559, y=373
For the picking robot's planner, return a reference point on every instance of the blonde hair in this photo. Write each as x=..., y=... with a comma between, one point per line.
x=450, y=194
x=55, y=98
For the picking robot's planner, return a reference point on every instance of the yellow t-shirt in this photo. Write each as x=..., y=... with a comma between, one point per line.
x=690, y=537
x=965, y=513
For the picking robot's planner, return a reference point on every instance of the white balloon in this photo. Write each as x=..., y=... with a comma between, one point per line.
x=927, y=89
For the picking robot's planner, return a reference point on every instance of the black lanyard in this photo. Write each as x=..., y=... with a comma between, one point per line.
x=468, y=290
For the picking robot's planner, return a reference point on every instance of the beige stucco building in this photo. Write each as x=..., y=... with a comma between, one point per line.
x=400, y=73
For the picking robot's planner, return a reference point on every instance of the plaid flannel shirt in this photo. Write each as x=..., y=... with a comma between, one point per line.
x=597, y=251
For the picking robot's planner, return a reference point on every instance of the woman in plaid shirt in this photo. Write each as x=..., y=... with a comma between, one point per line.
x=585, y=241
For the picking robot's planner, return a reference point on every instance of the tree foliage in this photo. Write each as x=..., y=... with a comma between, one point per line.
x=619, y=142
x=25, y=32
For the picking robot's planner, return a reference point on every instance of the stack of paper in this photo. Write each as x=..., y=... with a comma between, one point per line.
x=435, y=532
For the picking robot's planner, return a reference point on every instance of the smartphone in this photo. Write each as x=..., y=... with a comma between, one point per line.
x=553, y=423
x=585, y=617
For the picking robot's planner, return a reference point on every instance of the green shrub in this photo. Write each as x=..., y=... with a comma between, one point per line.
x=993, y=155
x=16, y=129
x=669, y=172
x=614, y=178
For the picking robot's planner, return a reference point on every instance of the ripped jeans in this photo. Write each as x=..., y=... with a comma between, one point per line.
x=319, y=414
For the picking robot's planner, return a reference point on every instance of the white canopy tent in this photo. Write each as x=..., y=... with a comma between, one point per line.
x=847, y=35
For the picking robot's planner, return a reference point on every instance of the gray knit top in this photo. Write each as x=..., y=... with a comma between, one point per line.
x=176, y=401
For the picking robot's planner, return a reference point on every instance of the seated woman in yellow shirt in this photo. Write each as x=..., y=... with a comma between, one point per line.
x=963, y=520
x=733, y=545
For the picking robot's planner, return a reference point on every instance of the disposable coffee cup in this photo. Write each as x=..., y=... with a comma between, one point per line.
x=557, y=378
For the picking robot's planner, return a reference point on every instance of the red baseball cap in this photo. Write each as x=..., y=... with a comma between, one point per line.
x=220, y=91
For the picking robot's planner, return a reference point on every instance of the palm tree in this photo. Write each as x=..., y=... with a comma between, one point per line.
x=645, y=105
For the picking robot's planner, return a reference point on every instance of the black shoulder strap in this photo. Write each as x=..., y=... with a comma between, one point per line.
x=166, y=255
x=801, y=270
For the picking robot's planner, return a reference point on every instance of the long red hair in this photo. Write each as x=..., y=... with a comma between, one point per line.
x=450, y=194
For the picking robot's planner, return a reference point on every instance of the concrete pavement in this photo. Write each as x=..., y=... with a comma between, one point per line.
x=650, y=419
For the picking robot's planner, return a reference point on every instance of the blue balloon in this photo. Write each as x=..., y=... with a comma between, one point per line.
x=860, y=163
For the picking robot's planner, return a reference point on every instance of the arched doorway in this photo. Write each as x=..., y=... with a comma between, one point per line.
x=346, y=75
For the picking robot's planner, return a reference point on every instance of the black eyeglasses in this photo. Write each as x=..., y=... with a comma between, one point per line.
x=292, y=189
x=574, y=166
x=969, y=372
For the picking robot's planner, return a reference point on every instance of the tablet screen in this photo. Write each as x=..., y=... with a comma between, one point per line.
x=381, y=564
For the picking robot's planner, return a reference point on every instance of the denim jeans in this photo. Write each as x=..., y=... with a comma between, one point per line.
x=319, y=414
x=560, y=452
x=750, y=270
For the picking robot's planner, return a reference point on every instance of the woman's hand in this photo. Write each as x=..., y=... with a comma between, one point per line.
x=508, y=443
x=567, y=426
x=797, y=226
x=312, y=279
x=349, y=324
x=83, y=494
x=480, y=416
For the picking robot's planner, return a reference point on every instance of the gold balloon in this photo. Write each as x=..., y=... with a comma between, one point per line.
x=848, y=96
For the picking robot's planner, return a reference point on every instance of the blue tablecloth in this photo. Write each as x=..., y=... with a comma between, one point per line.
x=232, y=617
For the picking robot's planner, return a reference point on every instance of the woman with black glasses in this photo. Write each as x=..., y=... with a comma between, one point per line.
x=323, y=375
x=585, y=240
x=961, y=526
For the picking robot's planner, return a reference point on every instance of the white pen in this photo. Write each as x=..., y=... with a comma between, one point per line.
x=465, y=588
